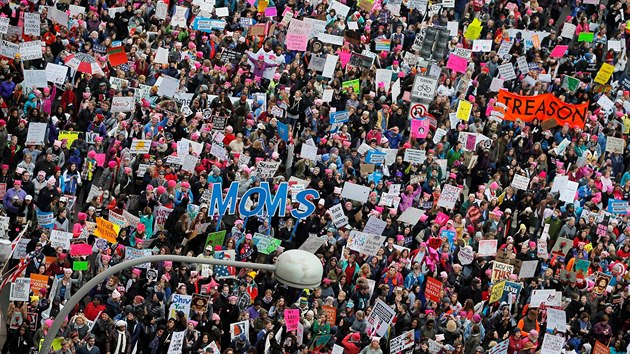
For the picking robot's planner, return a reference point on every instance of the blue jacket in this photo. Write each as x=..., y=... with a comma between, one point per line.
x=6, y=89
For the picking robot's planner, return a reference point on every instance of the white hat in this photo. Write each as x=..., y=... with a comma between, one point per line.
x=63, y=199
x=121, y=323
x=29, y=197
x=52, y=180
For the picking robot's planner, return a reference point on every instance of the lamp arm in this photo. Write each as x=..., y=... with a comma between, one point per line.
x=85, y=289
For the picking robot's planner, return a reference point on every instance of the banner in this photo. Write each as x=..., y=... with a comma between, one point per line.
x=544, y=107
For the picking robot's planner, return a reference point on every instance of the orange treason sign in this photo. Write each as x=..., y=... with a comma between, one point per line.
x=544, y=107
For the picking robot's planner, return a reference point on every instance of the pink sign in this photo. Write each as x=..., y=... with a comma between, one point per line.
x=441, y=218
x=100, y=159
x=80, y=249
x=559, y=51
x=291, y=319
x=470, y=142
x=420, y=128
x=344, y=58
x=271, y=12
x=296, y=41
x=457, y=63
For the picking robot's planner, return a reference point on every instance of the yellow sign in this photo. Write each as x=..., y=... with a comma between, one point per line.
x=463, y=110
x=69, y=136
x=56, y=344
x=604, y=73
x=474, y=30
x=262, y=5
x=366, y=5
x=497, y=292
x=106, y=230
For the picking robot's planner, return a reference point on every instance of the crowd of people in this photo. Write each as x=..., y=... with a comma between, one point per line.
x=446, y=221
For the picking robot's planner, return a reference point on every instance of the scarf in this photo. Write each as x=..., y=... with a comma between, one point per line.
x=121, y=343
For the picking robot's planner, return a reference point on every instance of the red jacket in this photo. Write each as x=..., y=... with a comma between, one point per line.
x=91, y=310
x=351, y=346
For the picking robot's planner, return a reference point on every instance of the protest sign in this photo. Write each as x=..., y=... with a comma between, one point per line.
x=36, y=133
x=615, y=145
x=604, y=74
x=56, y=73
x=215, y=238
x=20, y=289
x=35, y=78
x=549, y=297
x=364, y=243
x=449, y=196
x=401, y=342
x=544, y=107
x=355, y=192
x=497, y=291
x=556, y=320
x=380, y=319
x=80, y=249
x=179, y=302
x=223, y=271
x=552, y=344
x=313, y=243
x=501, y=271
x=60, y=239
x=487, y=248
x=122, y=104
x=338, y=217
x=4, y=25
x=266, y=244
x=375, y=226
x=433, y=289
x=32, y=23
x=106, y=230
x=291, y=319
x=520, y=182
x=140, y=146
x=38, y=282
x=238, y=328
x=506, y=72
x=600, y=348
x=528, y=269
x=31, y=50
x=176, y=345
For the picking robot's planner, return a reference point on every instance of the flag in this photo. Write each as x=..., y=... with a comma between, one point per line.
x=24, y=262
x=221, y=271
x=117, y=56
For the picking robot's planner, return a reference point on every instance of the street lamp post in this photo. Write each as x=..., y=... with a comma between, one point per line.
x=296, y=268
